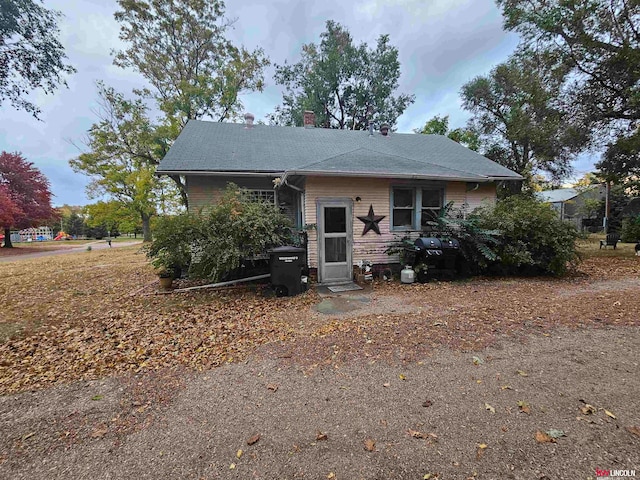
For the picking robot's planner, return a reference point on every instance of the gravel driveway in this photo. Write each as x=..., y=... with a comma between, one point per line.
x=450, y=415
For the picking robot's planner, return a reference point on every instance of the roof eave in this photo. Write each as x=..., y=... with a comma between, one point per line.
x=406, y=176
x=510, y=178
x=222, y=173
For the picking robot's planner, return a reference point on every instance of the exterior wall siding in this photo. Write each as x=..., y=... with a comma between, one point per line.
x=204, y=191
x=485, y=194
x=372, y=191
x=456, y=192
x=376, y=192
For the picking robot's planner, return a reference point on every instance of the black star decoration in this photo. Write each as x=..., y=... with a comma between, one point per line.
x=371, y=221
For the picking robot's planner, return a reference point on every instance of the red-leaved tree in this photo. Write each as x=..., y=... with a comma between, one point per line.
x=25, y=198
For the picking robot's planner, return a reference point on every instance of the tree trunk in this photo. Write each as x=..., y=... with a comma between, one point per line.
x=146, y=227
x=7, y=238
x=182, y=189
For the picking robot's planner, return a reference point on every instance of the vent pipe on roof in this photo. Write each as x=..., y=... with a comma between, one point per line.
x=384, y=129
x=248, y=120
x=371, y=128
x=309, y=119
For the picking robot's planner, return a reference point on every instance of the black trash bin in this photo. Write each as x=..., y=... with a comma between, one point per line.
x=286, y=265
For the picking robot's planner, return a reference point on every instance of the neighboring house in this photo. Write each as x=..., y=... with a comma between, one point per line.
x=572, y=204
x=325, y=180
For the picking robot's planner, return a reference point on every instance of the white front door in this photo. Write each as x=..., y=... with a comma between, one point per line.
x=335, y=240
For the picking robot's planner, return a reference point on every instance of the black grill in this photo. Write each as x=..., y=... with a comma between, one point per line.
x=440, y=255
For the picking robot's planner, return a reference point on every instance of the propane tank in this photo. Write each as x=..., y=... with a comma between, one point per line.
x=407, y=275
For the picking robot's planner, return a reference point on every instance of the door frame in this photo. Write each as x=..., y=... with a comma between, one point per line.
x=334, y=202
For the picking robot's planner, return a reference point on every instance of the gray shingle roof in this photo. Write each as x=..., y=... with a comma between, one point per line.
x=230, y=147
x=558, y=195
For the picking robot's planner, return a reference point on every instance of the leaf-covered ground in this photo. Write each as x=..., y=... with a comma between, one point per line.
x=486, y=378
x=93, y=314
x=88, y=315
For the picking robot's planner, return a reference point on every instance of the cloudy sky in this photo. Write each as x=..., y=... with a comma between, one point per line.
x=442, y=45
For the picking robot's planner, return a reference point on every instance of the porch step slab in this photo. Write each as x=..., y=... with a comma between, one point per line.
x=342, y=304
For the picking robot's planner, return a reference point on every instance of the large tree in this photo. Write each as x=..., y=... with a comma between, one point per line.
x=520, y=118
x=31, y=56
x=599, y=43
x=345, y=84
x=194, y=71
x=113, y=215
x=120, y=145
x=25, y=198
x=440, y=126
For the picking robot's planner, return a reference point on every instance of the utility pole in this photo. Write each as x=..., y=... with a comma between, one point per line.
x=607, y=206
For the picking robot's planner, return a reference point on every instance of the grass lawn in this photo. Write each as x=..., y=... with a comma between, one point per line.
x=591, y=248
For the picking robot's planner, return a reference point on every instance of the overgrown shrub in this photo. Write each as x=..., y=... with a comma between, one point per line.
x=630, y=232
x=477, y=243
x=533, y=240
x=170, y=250
x=217, y=241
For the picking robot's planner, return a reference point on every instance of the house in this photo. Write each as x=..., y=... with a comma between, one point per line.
x=354, y=191
x=577, y=205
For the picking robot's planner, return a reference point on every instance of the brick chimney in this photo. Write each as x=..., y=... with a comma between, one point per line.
x=248, y=120
x=309, y=119
x=384, y=129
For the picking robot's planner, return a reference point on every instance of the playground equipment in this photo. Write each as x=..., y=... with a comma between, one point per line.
x=62, y=236
x=38, y=234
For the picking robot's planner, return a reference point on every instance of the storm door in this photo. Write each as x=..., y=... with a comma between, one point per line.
x=335, y=239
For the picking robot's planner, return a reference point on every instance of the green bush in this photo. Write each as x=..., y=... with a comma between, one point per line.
x=477, y=244
x=533, y=240
x=170, y=250
x=217, y=241
x=630, y=232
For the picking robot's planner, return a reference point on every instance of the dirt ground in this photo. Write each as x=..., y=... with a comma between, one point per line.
x=488, y=378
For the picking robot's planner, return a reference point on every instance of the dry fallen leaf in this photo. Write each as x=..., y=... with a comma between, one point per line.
x=386, y=385
x=369, y=445
x=253, y=439
x=542, y=437
x=609, y=414
x=427, y=403
x=522, y=373
x=239, y=453
x=489, y=407
x=634, y=430
x=232, y=466
x=273, y=387
x=587, y=409
x=555, y=433
x=99, y=431
x=506, y=387
x=331, y=475
x=402, y=376
x=416, y=434
x=524, y=407
x=477, y=361
x=321, y=436
x=481, y=448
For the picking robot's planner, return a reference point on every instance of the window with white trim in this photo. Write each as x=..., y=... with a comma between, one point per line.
x=268, y=196
x=413, y=207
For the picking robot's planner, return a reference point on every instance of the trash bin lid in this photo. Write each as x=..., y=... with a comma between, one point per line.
x=287, y=249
